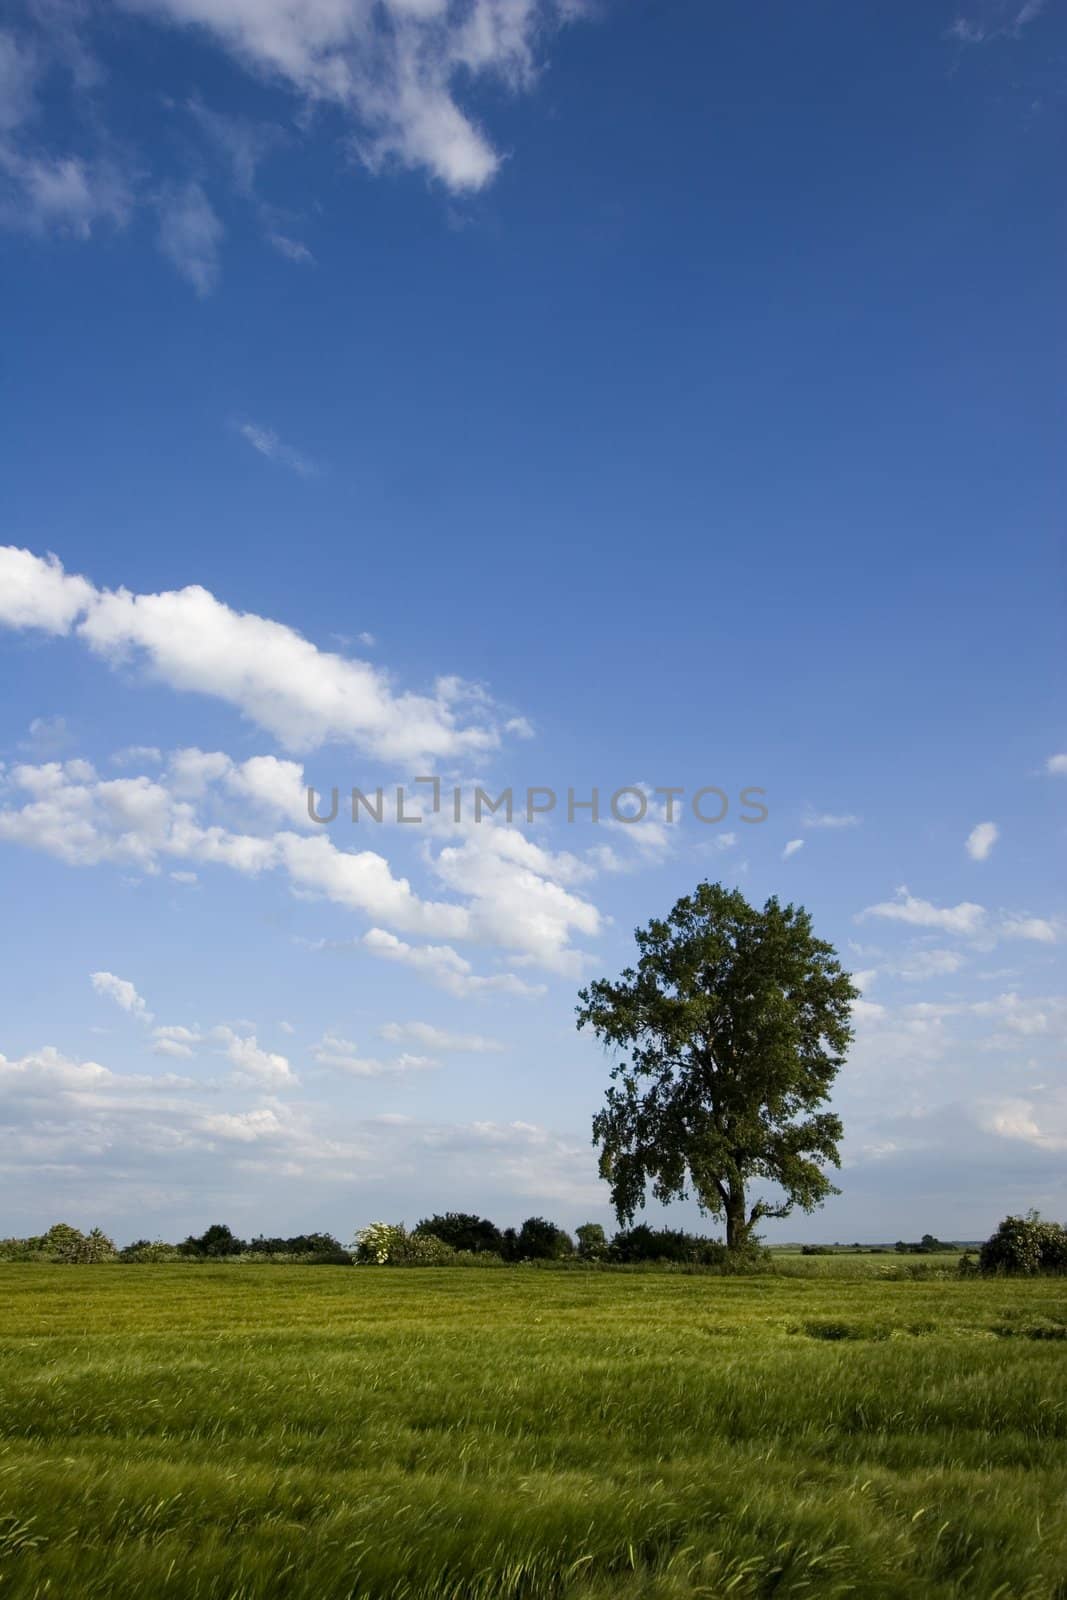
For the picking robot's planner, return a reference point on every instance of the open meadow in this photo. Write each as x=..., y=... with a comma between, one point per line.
x=250, y=1431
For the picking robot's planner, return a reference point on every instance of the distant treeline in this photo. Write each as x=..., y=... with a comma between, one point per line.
x=453, y=1238
x=1020, y=1246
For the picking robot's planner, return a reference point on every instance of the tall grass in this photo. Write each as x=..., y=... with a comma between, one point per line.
x=238, y=1433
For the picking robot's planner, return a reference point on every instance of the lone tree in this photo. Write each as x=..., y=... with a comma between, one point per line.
x=735, y=1022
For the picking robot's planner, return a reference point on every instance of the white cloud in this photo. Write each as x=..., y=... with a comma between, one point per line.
x=122, y=992
x=830, y=819
x=47, y=737
x=36, y=593
x=517, y=894
x=263, y=1067
x=1037, y=929
x=243, y=1127
x=1042, y=1124
x=445, y=967
x=42, y=193
x=137, y=755
x=994, y=19
x=19, y=69
x=981, y=839
x=174, y=1040
x=304, y=696
x=514, y=892
x=291, y=249
x=393, y=68
x=1056, y=766
x=925, y=964
x=440, y=1039
x=965, y=918
x=190, y=234
x=267, y=443
x=243, y=143
x=344, y=1056
x=791, y=848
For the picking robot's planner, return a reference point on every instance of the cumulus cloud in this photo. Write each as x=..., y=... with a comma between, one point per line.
x=122, y=992
x=511, y=893
x=175, y=1040
x=193, y=642
x=35, y=592
x=981, y=839
x=264, y=1068
x=1056, y=766
x=791, y=848
x=965, y=918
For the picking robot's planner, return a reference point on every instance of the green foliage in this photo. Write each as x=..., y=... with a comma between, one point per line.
x=390, y=1244
x=928, y=1245
x=63, y=1244
x=643, y=1243
x=300, y=1246
x=591, y=1241
x=1023, y=1246
x=733, y=1026
x=215, y=1241
x=463, y=1231
x=143, y=1252
x=539, y=1240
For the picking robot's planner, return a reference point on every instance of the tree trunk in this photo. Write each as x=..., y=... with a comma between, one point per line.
x=737, y=1225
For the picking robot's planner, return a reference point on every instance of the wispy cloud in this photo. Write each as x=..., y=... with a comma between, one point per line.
x=190, y=234
x=994, y=19
x=791, y=848
x=291, y=249
x=267, y=443
x=830, y=819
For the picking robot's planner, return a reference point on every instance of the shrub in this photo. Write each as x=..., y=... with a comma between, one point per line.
x=301, y=1244
x=1022, y=1246
x=389, y=1244
x=144, y=1251
x=928, y=1245
x=61, y=1243
x=592, y=1243
x=213, y=1242
x=462, y=1231
x=819, y=1249
x=643, y=1243
x=539, y=1240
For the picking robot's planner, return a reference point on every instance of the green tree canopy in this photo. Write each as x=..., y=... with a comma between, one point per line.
x=733, y=1026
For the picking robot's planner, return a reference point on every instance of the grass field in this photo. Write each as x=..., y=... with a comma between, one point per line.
x=326, y=1432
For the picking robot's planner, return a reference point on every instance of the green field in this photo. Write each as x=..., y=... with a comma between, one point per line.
x=241, y=1431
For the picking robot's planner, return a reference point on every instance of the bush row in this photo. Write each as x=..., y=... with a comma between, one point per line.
x=1021, y=1246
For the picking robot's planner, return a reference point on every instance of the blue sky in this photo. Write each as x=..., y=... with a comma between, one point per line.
x=529, y=395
